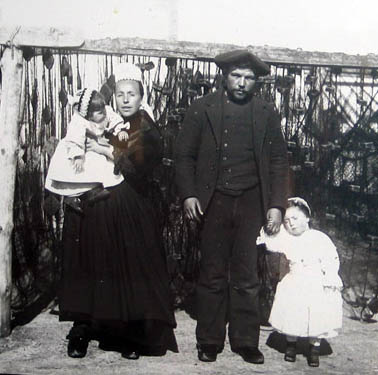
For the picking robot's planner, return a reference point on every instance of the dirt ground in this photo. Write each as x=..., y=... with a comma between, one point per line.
x=39, y=347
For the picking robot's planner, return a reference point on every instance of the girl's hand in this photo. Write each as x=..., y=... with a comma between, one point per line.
x=78, y=165
x=261, y=239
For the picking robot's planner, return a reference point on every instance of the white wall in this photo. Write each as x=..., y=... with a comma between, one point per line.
x=349, y=26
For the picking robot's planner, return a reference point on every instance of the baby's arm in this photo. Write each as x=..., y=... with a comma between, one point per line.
x=75, y=137
x=93, y=145
x=116, y=125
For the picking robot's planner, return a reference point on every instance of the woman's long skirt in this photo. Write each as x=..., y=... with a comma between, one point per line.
x=114, y=271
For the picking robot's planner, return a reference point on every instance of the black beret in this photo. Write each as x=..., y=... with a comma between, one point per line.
x=227, y=59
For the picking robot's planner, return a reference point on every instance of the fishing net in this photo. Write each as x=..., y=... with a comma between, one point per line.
x=328, y=115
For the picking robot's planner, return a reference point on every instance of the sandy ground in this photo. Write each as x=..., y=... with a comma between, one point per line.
x=39, y=347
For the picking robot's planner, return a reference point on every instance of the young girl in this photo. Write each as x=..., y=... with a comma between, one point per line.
x=73, y=170
x=308, y=301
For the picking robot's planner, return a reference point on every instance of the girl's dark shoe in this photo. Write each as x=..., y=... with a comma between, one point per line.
x=291, y=352
x=313, y=356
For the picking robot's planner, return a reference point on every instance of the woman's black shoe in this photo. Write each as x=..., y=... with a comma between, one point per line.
x=313, y=356
x=77, y=342
x=291, y=352
x=130, y=354
x=77, y=347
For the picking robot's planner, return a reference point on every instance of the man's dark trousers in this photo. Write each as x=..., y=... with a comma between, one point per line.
x=228, y=287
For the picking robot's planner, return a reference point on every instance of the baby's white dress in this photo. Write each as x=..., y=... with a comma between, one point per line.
x=304, y=305
x=61, y=177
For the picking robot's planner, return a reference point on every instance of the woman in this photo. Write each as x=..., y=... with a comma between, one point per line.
x=115, y=285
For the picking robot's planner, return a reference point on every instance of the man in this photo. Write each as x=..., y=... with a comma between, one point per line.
x=232, y=174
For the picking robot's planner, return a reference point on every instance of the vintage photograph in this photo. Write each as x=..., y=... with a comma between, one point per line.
x=188, y=187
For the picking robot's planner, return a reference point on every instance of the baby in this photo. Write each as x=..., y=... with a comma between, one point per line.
x=73, y=170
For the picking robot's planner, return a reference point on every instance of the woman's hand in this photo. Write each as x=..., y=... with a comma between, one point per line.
x=93, y=145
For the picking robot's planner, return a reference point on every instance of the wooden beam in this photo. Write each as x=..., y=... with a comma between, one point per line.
x=207, y=51
x=11, y=67
x=72, y=40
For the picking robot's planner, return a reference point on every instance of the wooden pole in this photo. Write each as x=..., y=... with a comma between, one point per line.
x=11, y=67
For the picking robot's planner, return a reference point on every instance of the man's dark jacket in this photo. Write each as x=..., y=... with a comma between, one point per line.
x=198, y=147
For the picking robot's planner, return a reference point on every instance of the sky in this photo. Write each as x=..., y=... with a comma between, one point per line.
x=347, y=26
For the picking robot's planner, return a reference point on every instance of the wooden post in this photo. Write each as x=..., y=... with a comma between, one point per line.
x=11, y=68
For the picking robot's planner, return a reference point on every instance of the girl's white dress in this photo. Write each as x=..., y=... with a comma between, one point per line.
x=61, y=177
x=308, y=301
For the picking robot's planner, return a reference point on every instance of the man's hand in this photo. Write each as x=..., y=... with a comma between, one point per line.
x=274, y=220
x=192, y=209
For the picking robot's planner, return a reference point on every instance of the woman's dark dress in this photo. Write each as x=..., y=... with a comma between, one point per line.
x=114, y=273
